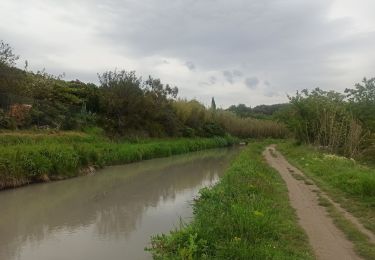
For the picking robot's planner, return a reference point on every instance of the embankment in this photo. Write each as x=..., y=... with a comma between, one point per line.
x=31, y=157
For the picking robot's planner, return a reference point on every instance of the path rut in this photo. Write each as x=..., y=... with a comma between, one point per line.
x=327, y=241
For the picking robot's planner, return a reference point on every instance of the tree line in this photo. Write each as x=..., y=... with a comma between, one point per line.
x=261, y=111
x=122, y=104
x=343, y=123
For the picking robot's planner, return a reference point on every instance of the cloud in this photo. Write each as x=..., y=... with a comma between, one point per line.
x=212, y=80
x=237, y=73
x=228, y=76
x=252, y=82
x=271, y=93
x=190, y=65
x=231, y=76
x=298, y=44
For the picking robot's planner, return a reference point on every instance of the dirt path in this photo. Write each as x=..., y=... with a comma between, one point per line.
x=327, y=241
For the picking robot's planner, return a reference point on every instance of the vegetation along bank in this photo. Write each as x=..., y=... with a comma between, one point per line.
x=340, y=176
x=252, y=218
x=27, y=157
x=348, y=183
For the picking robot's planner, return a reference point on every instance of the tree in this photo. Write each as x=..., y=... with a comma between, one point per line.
x=241, y=110
x=362, y=102
x=131, y=105
x=7, y=57
x=213, y=104
x=12, y=79
x=160, y=91
x=363, y=93
x=121, y=101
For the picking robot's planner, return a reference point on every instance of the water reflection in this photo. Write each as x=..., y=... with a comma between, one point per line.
x=110, y=215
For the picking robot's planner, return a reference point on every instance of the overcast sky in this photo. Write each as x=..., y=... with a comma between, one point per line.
x=239, y=51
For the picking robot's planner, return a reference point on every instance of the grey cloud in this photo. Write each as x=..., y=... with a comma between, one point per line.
x=228, y=76
x=252, y=82
x=237, y=73
x=190, y=65
x=292, y=42
x=212, y=80
x=231, y=76
x=271, y=93
x=271, y=36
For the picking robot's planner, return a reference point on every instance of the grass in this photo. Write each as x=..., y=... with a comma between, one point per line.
x=245, y=216
x=27, y=157
x=346, y=181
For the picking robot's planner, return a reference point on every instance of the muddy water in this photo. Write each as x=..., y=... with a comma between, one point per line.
x=110, y=215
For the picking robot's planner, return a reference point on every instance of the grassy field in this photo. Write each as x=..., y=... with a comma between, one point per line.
x=246, y=216
x=346, y=181
x=27, y=157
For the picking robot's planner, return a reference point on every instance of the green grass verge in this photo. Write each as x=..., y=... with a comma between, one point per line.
x=344, y=180
x=33, y=157
x=247, y=215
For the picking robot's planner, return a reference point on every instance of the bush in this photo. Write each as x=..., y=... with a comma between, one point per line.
x=212, y=129
x=188, y=132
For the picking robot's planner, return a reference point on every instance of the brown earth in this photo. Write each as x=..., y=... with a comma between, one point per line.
x=327, y=241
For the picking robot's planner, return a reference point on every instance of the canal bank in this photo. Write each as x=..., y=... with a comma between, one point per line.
x=33, y=157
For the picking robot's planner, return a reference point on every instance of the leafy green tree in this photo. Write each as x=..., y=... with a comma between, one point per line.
x=160, y=112
x=241, y=110
x=12, y=80
x=362, y=102
x=56, y=103
x=121, y=101
x=130, y=105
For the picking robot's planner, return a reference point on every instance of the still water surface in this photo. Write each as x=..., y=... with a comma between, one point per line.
x=110, y=215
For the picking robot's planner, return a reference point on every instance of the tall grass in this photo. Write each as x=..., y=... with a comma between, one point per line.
x=246, y=216
x=195, y=115
x=26, y=158
x=45, y=137
x=324, y=118
x=368, y=152
x=250, y=127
